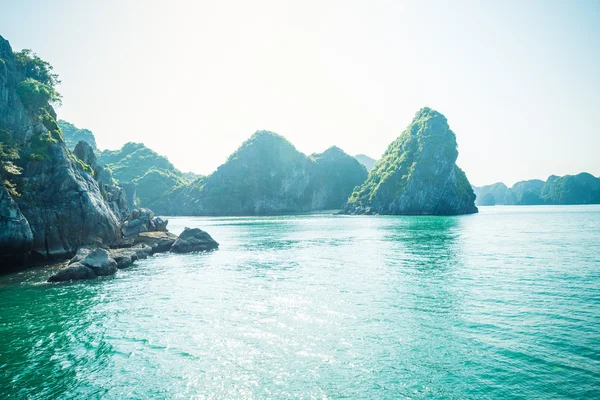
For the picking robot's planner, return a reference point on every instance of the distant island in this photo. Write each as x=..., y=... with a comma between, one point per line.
x=582, y=188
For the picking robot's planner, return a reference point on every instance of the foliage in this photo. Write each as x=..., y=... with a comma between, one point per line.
x=154, y=184
x=39, y=148
x=9, y=153
x=35, y=68
x=153, y=174
x=36, y=95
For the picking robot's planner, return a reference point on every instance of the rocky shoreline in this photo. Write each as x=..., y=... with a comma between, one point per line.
x=93, y=262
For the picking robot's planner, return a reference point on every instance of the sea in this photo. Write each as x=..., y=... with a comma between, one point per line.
x=503, y=304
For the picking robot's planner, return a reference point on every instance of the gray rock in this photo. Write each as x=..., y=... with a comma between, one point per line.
x=194, y=239
x=15, y=233
x=85, y=153
x=123, y=257
x=143, y=220
x=80, y=255
x=76, y=271
x=98, y=260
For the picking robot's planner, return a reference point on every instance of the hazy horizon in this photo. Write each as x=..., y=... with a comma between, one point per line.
x=518, y=83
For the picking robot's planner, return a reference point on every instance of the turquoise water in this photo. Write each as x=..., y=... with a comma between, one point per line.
x=503, y=304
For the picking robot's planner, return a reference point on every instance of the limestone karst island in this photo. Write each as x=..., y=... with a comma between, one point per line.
x=299, y=200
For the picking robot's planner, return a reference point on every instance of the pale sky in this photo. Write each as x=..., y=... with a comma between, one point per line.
x=519, y=81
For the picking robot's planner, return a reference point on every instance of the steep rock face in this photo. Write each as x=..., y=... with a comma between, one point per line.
x=114, y=196
x=59, y=199
x=16, y=237
x=63, y=204
x=267, y=176
x=417, y=175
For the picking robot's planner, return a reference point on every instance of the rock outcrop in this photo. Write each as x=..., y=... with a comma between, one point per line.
x=417, y=175
x=57, y=205
x=194, y=239
x=143, y=220
x=90, y=262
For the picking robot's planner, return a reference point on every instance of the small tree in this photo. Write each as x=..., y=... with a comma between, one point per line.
x=8, y=154
x=36, y=68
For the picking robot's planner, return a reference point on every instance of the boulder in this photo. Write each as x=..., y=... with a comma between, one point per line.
x=160, y=242
x=75, y=271
x=100, y=262
x=194, y=239
x=143, y=220
x=123, y=257
x=142, y=251
x=80, y=255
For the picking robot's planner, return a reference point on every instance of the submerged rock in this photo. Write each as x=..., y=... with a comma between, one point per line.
x=417, y=175
x=194, y=239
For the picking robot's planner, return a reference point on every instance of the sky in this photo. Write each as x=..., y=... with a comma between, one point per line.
x=518, y=81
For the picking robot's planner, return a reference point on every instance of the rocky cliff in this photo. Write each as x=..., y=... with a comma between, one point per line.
x=417, y=175
x=267, y=175
x=50, y=203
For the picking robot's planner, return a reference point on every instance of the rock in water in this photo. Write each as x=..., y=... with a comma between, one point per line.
x=417, y=175
x=73, y=272
x=194, y=239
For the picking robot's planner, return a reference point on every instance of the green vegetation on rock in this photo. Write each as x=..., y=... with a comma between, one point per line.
x=9, y=153
x=73, y=135
x=417, y=174
x=365, y=160
x=268, y=175
x=154, y=175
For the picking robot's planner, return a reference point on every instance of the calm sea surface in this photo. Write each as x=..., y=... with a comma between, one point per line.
x=502, y=304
